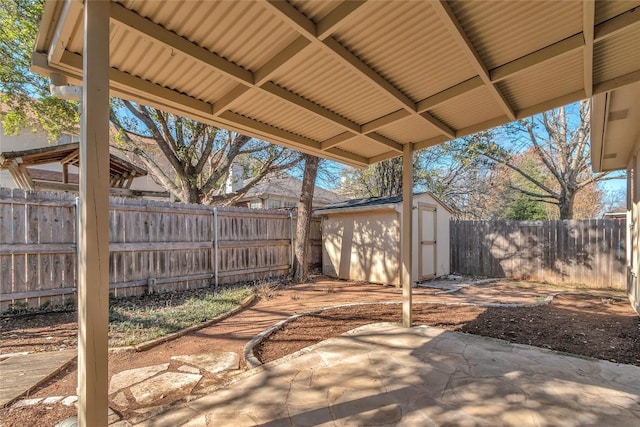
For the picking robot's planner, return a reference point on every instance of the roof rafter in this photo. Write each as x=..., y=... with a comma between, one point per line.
x=264, y=73
x=451, y=22
x=588, y=23
x=70, y=13
x=309, y=29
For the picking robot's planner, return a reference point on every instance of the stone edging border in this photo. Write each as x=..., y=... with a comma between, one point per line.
x=175, y=335
x=251, y=361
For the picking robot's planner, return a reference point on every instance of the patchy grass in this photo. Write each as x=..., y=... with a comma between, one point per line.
x=136, y=320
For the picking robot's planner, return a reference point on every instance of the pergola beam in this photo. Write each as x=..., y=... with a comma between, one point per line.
x=588, y=23
x=455, y=29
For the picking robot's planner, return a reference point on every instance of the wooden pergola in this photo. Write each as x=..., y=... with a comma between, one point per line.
x=23, y=168
x=353, y=81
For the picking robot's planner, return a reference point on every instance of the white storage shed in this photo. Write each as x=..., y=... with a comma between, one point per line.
x=361, y=239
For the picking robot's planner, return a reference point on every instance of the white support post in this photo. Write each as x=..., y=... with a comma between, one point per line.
x=406, y=232
x=93, y=233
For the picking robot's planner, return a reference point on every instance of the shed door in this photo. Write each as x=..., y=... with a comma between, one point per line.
x=427, y=245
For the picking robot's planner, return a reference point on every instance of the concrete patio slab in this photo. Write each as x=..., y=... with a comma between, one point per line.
x=23, y=372
x=388, y=375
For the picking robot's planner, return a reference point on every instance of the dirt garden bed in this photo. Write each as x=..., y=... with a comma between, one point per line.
x=605, y=321
x=598, y=327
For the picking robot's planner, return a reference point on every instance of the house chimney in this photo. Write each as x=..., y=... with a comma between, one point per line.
x=234, y=178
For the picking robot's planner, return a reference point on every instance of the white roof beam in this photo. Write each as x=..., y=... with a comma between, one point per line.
x=386, y=142
x=336, y=140
x=617, y=82
x=538, y=57
x=384, y=156
x=301, y=141
x=588, y=22
x=616, y=24
x=447, y=94
x=299, y=101
x=385, y=120
x=153, y=31
x=451, y=22
x=551, y=103
x=264, y=73
x=229, y=98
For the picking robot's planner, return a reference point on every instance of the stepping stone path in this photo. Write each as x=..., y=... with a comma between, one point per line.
x=145, y=386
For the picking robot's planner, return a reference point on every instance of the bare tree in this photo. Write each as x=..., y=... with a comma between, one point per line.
x=302, y=248
x=191, y=159
x=560, y=141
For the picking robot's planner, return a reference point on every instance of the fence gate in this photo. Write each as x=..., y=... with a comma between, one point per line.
x=427, y=253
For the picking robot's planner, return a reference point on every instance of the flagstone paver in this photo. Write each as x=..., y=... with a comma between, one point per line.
x=155, y=388
x=130, y=377
x=399, y=378
x=213, y=362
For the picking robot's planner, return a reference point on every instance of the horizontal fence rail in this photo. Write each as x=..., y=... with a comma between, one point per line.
x=154, y=246
x=587, y=252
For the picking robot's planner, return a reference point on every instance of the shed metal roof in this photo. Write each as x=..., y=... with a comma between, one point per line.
x=354, y=81
x=372, y=203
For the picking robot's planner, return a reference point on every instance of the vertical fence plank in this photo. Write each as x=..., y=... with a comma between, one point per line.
x=579, y=251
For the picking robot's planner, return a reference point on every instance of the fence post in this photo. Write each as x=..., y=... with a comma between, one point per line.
x=215, y=247
x=291, y=240
x=75, y=242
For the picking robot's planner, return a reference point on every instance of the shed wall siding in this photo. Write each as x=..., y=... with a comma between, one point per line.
x=362, y=247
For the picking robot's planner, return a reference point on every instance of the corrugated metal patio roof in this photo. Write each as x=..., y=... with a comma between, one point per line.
x=354, y=81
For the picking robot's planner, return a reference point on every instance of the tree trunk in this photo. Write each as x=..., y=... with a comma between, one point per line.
x=302, y=247
x=566, y=206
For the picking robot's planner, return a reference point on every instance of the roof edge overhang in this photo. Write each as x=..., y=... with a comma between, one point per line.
x=615, y=128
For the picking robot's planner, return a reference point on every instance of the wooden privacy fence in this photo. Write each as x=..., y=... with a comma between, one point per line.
x=154, y=246
x=589, y=252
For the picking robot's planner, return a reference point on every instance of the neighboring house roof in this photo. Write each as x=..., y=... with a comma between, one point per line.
x=285, y=186
x=371, y=203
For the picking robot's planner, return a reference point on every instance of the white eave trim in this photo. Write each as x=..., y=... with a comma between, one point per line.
x=599, y=113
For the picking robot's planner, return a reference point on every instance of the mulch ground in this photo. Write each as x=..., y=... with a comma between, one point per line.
x=596, y=326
